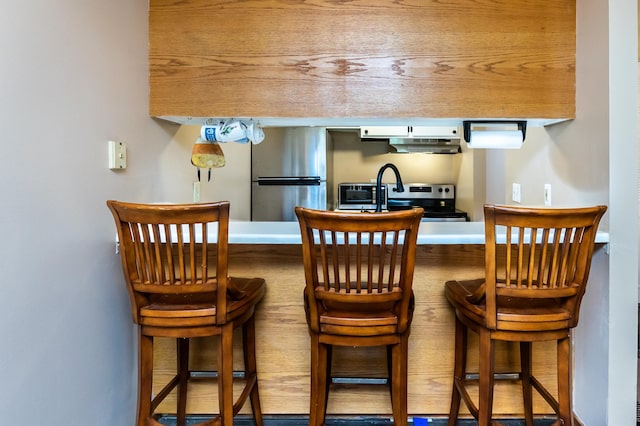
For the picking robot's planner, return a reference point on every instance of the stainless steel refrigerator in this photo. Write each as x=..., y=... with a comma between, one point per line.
x=290, y=168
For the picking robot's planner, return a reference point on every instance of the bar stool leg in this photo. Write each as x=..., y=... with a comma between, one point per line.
x=319, y=386
x=459, y=369
x=565, y=411
x=486, y=372
x=327, y=380
x=399, y=381
x=250, y=368
x=145, y=378
x=225, y=375
x=313, y=391
x=325, y=353
x=183, y=379
x=525, y=374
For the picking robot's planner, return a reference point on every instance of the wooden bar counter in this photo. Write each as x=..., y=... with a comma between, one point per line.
x=448, y=250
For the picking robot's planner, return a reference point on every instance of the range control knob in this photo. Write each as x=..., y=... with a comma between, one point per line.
x=446, y=190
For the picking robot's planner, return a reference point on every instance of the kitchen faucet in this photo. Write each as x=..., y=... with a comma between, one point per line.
x=398, y=188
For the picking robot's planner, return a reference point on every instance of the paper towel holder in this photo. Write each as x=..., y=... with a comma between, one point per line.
x=500, y=134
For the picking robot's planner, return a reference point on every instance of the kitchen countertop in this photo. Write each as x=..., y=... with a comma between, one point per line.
x=429, y=233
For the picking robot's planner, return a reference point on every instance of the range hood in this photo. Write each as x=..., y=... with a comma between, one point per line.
x=425, y=145
x=424, y=139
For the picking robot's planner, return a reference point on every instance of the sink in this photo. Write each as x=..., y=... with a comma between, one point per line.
x=393, y=204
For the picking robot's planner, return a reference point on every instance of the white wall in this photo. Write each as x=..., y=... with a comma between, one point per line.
x=73, y=76
x=571, y=156
x=623, y=228
x=591, y=127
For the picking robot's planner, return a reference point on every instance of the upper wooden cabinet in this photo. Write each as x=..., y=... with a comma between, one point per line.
x=362, y=58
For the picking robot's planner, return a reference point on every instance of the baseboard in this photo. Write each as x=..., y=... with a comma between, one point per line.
x=282, y=420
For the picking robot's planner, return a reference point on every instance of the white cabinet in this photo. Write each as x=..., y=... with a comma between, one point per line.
x=427, y=132
x=435, y=132
x=384, y=131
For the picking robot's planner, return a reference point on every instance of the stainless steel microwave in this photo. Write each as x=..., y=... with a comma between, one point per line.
x=359, y=196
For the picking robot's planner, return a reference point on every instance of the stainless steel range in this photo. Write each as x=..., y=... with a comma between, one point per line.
x=437, y=200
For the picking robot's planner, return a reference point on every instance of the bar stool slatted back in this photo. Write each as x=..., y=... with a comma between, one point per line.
x=535, y=278
x=174, y=259
x=359, y=275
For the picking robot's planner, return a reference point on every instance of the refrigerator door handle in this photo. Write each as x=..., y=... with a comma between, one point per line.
x=284, y=181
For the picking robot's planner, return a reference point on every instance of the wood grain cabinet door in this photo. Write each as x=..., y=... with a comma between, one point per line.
x=362, y=58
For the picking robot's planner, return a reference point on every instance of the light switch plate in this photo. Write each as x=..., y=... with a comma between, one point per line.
x=516, y=196
x=117, y=155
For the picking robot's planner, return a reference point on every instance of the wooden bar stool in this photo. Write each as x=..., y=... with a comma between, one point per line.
x=179, y=287
x=534, y=280
x=359, y=273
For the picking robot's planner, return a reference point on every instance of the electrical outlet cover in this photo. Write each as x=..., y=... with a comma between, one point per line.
x=547, y=194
